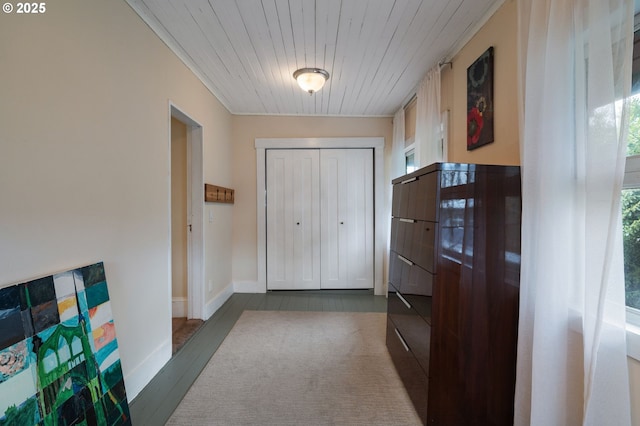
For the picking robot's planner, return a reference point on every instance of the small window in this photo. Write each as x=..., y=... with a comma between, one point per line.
x=631, y=233
x=630, y=204
x=409, y=163
x=630, y=201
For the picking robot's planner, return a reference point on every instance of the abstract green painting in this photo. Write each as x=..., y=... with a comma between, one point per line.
x=59, y=360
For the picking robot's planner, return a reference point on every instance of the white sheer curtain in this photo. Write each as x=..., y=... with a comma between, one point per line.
x=397, y=151
x=428, y=138
x=575, y=63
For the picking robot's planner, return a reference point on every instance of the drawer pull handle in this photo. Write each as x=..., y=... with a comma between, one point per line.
x=407, y=220
x=408, y=181
x=405, y=260
x=403, y=299
x=406, y=348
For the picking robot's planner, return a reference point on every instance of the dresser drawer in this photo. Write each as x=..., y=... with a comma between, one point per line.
x=403, y=235
x=413, y=377
x=415, y=198
x=408, y=277
x=416, y=281
x=397, y=200
x=424, y=204
x=393, y=241
x=414, y=240
x=422, y=250
x=414, y=330
x=396, y=269
x=421, y=304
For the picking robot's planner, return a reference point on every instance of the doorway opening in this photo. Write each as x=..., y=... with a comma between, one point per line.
x=186, y=228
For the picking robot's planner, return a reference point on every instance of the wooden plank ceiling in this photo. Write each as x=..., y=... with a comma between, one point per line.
x=376, y=51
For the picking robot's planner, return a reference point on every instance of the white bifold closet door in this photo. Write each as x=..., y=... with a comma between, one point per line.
x=293, y=219
x=346, y=218
x=319, y=219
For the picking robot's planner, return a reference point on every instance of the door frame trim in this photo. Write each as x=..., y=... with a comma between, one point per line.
x=195, y=213
x=379, y=241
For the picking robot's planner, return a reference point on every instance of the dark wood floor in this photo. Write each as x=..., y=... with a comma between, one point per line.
x=157, y=401
x=182, y=329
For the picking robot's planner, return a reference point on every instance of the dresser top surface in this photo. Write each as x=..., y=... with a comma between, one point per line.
x=461, y=167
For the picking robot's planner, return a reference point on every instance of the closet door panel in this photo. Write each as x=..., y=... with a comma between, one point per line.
x=346, y=200
x=293, y=226
x=332, y=266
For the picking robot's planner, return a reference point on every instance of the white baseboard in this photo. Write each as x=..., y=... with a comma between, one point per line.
x=214, y=304
x=179, y=307
x=141, y=375
x=248, y=287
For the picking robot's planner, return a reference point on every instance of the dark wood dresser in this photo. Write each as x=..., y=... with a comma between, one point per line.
x=454, y=272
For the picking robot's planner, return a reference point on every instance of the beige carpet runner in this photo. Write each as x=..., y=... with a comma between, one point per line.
x=300, y=368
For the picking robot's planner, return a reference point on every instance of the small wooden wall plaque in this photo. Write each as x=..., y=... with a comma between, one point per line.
x=218, y=194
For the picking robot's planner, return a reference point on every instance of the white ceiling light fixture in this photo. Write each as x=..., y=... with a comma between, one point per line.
x=311, y=79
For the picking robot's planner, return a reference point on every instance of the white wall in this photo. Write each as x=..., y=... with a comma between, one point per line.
x=500, y=31
x=84, y=164
x=634, y=379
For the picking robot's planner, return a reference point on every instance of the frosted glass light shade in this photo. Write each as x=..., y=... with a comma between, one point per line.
x=311, y=79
